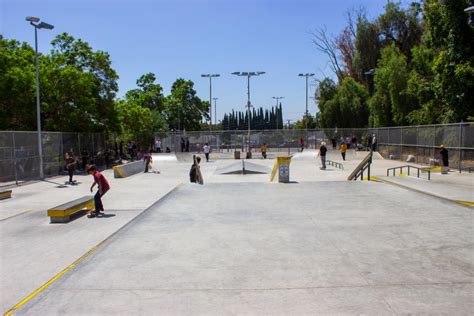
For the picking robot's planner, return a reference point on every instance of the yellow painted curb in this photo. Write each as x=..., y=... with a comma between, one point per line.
x=467, y=203
x=119, y=171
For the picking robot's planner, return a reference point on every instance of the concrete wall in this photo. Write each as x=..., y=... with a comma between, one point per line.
x=129, y=169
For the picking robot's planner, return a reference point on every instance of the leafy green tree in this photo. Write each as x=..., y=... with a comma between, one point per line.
x=149, y=95
x=328, y=110
x=401, y=26
x=136, y=122
x=78, y=87
x=391, y=104
x=308, y=121
x=183, y=108
x=450, y=36
x=17, y=86
x=344, y=105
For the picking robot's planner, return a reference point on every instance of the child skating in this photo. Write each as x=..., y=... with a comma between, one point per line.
x=103, y=187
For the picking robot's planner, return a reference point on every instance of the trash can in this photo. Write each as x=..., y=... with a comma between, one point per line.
x=249, y=155
x=284, y=169
x=236, y=154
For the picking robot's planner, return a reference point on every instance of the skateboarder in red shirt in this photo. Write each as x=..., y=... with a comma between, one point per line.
x=103, y=185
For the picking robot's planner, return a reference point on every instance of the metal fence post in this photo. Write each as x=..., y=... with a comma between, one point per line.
x=14, y=158
x=460, y=147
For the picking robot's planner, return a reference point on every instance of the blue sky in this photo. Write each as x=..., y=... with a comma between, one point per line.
x=187, y=38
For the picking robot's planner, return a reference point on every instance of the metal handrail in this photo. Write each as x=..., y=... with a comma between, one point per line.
x=359, y=170
x=418, y=170
x=335, y=164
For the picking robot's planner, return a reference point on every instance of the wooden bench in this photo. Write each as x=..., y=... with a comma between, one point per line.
x=63, y=212
x=5, y=194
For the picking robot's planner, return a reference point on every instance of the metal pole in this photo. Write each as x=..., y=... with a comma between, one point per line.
x=276, y=112
x=306, y=112
x=248, y=109
x=38, y=113
x=460, y=146
x=210, y=103
x=215, y=111
x=14, y=158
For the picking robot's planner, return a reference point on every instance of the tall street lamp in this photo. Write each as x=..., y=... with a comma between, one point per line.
x=277, y=99
x=210, y=76
x=215, y=110
x=307, y=75
x=248, y=75
x=46, y=26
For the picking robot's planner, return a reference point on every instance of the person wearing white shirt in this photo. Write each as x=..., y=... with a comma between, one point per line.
x=207, y=150
x=158, y=146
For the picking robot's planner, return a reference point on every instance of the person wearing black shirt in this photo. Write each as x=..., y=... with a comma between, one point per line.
x=322, y=153
x=444, y=159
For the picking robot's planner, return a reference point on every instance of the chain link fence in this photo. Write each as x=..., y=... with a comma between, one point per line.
x=19, y=159
x=422, y=142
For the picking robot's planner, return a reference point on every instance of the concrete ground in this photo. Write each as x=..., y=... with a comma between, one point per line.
x=240, y=245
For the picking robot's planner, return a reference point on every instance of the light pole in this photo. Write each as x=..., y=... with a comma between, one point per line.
x=370, y=77
x=37, y=26
x=307, y=75
x=248, y=75
x=210, y=76
x=470, y=10
x=215, y=110
x=277, y=99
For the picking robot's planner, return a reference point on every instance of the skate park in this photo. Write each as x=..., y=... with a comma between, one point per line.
x=237, y=158
x=240, y=244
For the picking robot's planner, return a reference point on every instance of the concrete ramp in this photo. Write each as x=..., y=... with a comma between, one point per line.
x=243, y=167
x=165, y=157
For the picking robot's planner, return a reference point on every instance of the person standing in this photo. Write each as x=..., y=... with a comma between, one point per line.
x=187, y=145
x=263, y=150
x=343, y=149
x=70, y=165
x=369, y=142
x=322, y=153
x=103, y=187
x=84, y=158
x=374, y=143
x=158, y=145
x=354, y=142
x=182, y=144
x=206, y=149
x=148, y=160
x=333, y=141
x=444, y=159
x=302, y=144
x=107, y=158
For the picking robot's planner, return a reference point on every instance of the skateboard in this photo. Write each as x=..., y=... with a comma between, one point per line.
x=94, y=214
x=74, y=182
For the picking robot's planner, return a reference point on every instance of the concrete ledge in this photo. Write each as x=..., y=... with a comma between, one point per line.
x=5, y=194
x=129, y=169
x=63, y=213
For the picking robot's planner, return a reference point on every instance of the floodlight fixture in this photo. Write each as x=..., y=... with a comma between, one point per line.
x=45, y=26
x=32, y=19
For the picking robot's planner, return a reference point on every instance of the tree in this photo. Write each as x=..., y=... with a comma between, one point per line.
x=136, y=122
x=449, y=35
x=149, y=95
x=17, y=86
x=401, y=27
x=328, y=45
x=78, y=87
x=184, y=110
x=367, y=49
x=326, y=92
